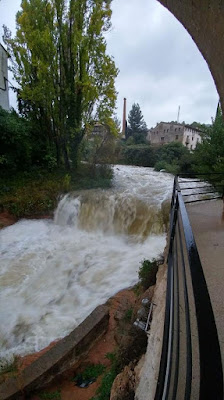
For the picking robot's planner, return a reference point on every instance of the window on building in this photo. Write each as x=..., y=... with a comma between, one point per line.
x=167, y=130
x=179, y=129
x=192, y=137
x=162, y=138
x=175, y=129
x=177, y=137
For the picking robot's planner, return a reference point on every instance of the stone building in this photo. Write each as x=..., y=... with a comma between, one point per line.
x=4, y=90
x=167, y=132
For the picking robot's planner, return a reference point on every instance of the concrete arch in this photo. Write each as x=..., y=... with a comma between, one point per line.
x=204, y=20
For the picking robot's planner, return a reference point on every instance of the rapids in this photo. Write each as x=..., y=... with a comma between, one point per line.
x=53, y=273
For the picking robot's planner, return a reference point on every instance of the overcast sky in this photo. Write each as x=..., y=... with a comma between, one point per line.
x=160, y=66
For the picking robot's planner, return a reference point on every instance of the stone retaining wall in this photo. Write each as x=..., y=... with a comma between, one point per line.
x=59, y=358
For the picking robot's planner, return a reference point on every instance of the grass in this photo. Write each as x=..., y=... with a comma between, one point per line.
x=36, y=192
x=50, y=395
x=103, y=392
x=128, y=315
x=137, y=289
x=92, y=371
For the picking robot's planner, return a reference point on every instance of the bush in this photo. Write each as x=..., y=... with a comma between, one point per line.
x=160, y=165
x=139, y=154
x=15, y=143
x=147, y=273
x=174, y=158
x=171, y=152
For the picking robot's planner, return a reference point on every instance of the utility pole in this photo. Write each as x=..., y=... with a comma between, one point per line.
x=178, y=115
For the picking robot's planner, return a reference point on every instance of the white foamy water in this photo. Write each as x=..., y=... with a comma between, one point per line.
x=54, y=273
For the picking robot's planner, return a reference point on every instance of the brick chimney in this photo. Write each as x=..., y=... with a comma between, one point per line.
x=124, y=119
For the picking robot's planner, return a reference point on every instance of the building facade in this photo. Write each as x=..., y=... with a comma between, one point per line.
x=4, y=90
x=167, y=132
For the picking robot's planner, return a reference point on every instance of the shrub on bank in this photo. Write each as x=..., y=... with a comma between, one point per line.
x=147, y=273
x=139, y=154
x=27, y=194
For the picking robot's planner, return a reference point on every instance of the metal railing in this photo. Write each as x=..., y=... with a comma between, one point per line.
x=190, y=365
x=203, y=187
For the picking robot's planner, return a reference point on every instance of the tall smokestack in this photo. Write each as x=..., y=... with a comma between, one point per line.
x=124, y=120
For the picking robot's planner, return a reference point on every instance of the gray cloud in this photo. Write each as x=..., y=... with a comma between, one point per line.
x=160, y=65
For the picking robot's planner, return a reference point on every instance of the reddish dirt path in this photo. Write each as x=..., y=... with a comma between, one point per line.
x=6, y=219
x=106, y=344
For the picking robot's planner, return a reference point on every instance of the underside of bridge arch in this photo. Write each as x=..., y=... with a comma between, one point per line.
x=204, y=20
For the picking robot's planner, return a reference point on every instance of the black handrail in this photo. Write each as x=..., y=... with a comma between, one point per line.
x=185, y=271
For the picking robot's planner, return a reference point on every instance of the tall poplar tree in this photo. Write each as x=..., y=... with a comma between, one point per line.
x=65, y=78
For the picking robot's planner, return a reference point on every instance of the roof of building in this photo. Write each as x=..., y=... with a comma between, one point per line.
x=178, y=124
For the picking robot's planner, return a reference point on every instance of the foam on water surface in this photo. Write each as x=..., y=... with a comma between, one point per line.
x=54, y=273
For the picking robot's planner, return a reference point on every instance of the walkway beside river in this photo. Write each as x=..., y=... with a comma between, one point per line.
x=207, y=221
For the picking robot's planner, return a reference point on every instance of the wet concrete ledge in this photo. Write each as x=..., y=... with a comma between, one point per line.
x=57, y=359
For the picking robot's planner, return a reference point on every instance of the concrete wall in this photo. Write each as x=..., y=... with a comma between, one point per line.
x=58, y=359
x=4, y=93
x=204, y=20
x=150, y=369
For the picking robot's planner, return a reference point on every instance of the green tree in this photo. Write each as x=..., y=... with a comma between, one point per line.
x=15, y=141
x=136, y=124
x=209, y=155
x=139, y=154
x=65, y=78
x=174, y=158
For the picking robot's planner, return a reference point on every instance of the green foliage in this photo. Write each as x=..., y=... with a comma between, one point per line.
x=128, y=315
x=209, y=155
x=137, y=289
x=171, y=152
x=92, y=371
x=100, y=147
x=174, y=158
x=50, y=395
x=36, y=192
x=65, y=77
x=142, y=155
x=160, y=165
x=201, y=127
x=15, y=141
x=111, y=356
x=136, y=124
x=147, y=273
x=103, y=392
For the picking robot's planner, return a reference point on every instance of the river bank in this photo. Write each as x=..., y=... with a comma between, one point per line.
x=116, y=353
x=55, y=272
x=35, y=193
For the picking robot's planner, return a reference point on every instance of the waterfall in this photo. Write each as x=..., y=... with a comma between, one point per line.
x=53, y=273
